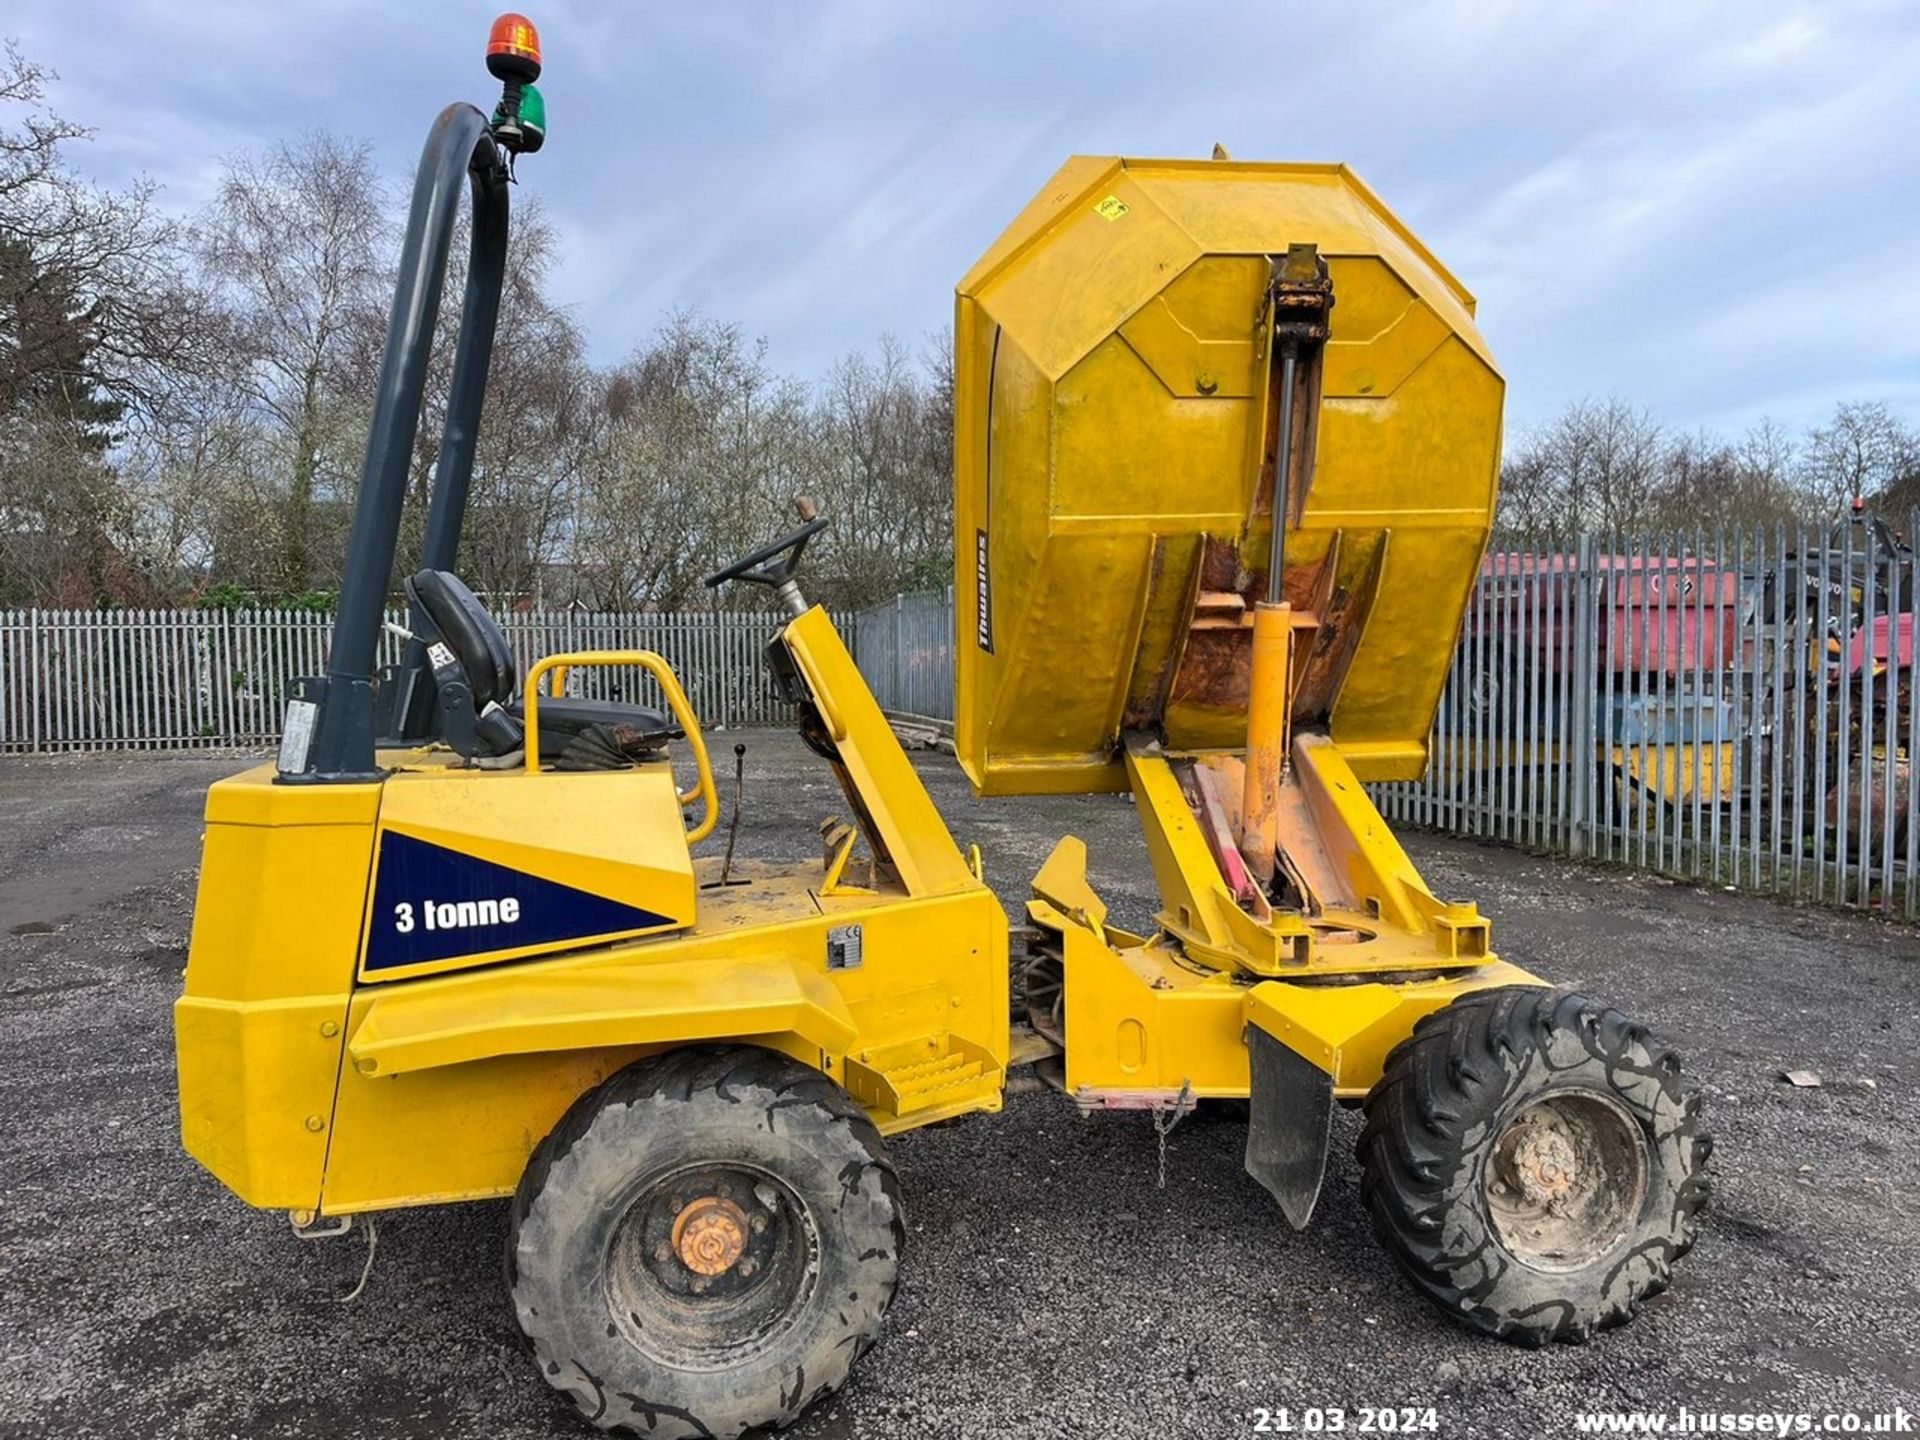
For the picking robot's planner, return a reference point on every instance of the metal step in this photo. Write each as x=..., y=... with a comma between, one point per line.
x=933, y=1074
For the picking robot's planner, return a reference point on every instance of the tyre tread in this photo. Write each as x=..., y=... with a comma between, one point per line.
x=735, y=1074
x=1451, y=1072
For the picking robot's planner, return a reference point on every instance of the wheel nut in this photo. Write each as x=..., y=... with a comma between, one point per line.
x=759, y=1223
x=748, y=1266
x=700, y=1283
x=663, y=1252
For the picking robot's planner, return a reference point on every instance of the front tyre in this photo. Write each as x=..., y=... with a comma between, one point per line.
x=1533, y=1161
x=705, y=1244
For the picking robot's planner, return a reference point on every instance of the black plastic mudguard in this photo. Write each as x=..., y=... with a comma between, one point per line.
x=1290, y=1125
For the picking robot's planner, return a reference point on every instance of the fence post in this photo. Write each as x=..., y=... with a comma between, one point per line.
x=896, y=701
x=1582, y=740
x=36, y=687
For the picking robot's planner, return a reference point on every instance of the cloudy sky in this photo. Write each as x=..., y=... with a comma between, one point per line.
x=1712, y=209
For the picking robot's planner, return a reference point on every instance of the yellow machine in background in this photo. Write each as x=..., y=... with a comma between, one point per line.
x=454, y=942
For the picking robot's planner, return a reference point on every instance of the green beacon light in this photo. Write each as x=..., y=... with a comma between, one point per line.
x=532, y=120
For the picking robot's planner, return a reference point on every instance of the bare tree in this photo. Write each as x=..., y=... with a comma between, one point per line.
x=696, y=448
x=1707, y=482
x=94, y=316
x=1864, y=451
x=1596, y=467
x=188, y=480
x=886, y=438
x=1532, y=511
x=1609, y=467
x=298, y=241
x=103, y=265
x=528, y=449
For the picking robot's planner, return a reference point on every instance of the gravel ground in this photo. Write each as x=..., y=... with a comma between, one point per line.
x=1050, y=1288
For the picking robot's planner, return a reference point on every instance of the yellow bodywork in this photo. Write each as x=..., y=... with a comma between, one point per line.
x=310, y=1082
x=615, y=835
x=1144, y=1029
x=396, y=989
x=1111, y=523
x=1147, y=1019
x=1120, y=388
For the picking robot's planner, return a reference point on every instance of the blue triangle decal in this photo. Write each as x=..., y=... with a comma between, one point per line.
x=432, y=903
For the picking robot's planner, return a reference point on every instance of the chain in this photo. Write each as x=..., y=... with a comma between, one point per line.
x=1164, y=1121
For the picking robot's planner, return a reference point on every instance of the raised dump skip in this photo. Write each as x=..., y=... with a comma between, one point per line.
x=1118, y=402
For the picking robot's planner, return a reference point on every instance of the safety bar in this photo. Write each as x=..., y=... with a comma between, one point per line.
x=460, y=153
x=702, y=789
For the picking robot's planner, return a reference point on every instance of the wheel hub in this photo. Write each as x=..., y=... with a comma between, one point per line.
x=1544, y=1165
x=710, y=1263
x=1565, y=1179
x=709, y=1235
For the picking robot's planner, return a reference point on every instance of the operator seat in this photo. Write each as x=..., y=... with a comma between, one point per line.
x=480, y=646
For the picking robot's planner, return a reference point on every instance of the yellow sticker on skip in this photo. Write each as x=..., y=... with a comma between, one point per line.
x=1111, y=208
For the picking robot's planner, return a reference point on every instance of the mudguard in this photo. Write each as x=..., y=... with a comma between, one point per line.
x=1290, y=1125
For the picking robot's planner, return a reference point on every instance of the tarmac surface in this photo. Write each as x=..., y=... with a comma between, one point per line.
x=1050, y=1288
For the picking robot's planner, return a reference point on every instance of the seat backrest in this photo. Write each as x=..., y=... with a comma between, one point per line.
x=474, y=636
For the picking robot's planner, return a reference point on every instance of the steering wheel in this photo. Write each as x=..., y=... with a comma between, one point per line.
x=772, y=564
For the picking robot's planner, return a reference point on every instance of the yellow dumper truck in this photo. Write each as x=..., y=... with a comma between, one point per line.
x=1227, y=453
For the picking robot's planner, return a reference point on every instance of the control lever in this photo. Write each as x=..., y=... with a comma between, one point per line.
x=733, y=826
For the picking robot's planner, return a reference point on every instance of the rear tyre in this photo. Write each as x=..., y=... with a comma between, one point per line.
x=705, y=1244
x=1533, y=1162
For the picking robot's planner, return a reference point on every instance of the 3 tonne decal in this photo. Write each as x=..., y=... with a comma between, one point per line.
x=431, y=903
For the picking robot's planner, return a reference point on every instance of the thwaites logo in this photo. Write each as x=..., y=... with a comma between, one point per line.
x=982, y=594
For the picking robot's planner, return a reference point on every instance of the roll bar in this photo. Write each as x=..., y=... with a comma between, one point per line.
x=331, y=722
